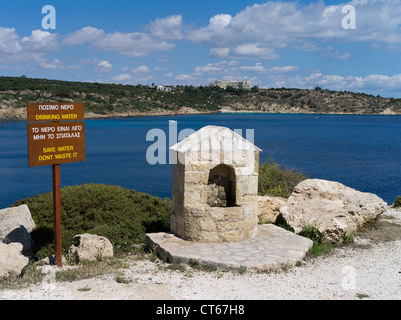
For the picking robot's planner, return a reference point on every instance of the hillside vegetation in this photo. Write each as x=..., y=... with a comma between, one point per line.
x=122, y=215
x=108, y=100
x=278, y=181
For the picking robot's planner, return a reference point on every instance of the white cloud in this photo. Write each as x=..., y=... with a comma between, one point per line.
x=141, y=69
x=383, y=82
x=131, y=44
x=222, y=67
x=87, y=34
x=156, y=68
x=220, y=21
x=336, y=54
x=215, y=33
x=144, y=79
x=254, y=50
x=227, y=70
x=12, y=67
x=258, y=67
x=283, y=69
x=239, y=78
x=55, y=64
x=9, y=41
x=219, y=52
x=244, y=51
x=40, y=41
x=128, y=44
x=170, y=74
x=373, y=83
x=184, y=78
x=122, y=77
x=167, y=28
x=306, y=46
x=128, y=78
x=260, y=29
x=210, y=68
x=104, y=67
x=89, y=61
x=28, y=49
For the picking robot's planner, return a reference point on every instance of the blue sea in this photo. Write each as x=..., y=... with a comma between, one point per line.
x=362, y=152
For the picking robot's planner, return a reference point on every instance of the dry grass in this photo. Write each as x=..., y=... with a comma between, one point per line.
x=383, y=229
x=33, y=274
x=30, y=275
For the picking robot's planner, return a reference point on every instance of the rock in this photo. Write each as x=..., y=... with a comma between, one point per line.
x=11, y=259
x=51, y=261
x=331, y=207
x=15, y=225
x=216, y=196
x=269, y=208
x=91, y=247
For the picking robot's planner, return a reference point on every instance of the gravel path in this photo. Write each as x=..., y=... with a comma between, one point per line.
x=354, y=272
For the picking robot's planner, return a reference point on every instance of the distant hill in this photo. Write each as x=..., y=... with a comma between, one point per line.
x=116, y=100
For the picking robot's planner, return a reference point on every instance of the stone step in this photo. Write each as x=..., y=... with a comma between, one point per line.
x=271, y=248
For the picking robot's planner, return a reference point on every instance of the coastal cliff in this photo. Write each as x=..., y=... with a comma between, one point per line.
x=112, y=100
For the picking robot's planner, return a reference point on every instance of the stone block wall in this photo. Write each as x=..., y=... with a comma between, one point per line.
x=192, y=219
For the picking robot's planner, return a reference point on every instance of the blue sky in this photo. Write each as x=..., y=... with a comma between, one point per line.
x=296, y=44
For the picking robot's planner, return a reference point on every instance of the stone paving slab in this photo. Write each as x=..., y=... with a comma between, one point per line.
x=272, y=247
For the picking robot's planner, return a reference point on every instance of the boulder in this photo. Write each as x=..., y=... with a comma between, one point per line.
x=91, y=247
x=16, y=223
x=269, y=208
x=51, y=261
x=331, y=207
x=216, y=196
x=11, y=259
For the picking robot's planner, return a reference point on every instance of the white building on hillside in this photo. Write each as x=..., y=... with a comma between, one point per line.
x=160, y=87
x=235, y=84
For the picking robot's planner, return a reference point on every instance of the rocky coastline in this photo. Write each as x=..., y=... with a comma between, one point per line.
x=20, y=114
x=112, y=101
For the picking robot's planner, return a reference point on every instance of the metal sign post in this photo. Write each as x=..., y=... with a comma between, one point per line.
x=57, y=213
x=56, y=135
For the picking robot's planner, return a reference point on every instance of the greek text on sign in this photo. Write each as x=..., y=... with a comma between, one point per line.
x=41, y=112
x=56, y=143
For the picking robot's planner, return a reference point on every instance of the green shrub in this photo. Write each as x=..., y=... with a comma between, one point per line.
x=123, y=216
x=348, y=237
x=397, y=202
x=320, y=246
x=278, y=181
x=312, y=232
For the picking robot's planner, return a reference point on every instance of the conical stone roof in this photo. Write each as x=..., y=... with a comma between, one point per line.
x=214, y=138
